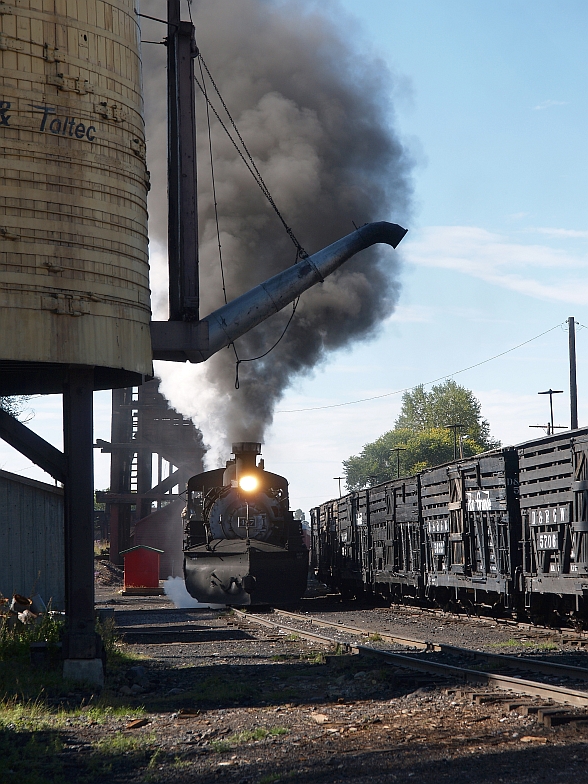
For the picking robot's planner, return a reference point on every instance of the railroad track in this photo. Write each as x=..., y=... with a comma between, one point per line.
x=565, y=636
x=525, y=664
x=422, y=661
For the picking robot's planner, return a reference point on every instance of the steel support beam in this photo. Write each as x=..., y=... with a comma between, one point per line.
x=81, y=641
x=182, y=215
x=29, y=444
x=120, y=473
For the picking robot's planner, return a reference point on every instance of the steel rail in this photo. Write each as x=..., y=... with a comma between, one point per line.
x=514, y=662
x=545, y=691
x=305, y=635
x=566, y=635
x=394, y=638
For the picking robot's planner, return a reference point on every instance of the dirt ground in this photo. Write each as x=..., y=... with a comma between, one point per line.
x=211, y=700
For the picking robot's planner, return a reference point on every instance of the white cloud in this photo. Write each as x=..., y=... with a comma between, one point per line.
x=511, y=415
x=308, y=447
x=536, y=270
x=412, y=314
x=548, y=104
x=571, y=233
x=515, y=216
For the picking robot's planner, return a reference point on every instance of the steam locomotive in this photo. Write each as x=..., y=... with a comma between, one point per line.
x=506, y=530
x=242, y=545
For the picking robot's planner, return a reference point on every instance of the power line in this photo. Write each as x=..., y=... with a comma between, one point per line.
x=425, y=383
x=245, y=155
x=249, y=162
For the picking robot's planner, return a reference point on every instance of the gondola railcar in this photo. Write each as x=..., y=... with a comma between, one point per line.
x=553, y=474
x=507, y=530
x=472, y=530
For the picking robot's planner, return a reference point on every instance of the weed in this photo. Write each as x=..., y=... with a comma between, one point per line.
x=293, y=637
x=102, y=711
x=119, y=743
x=110, y=637
x=278, y=731
x=117, y=654
x=15, y=640
x=156, y=761
x=375, y=637
x=101, y=547
x=219, y=689
x=514, y=643
x=31, y=716
x=247, y=736
x=118, y=752
x=180, y=763
x=35, y=757
x=286, y=694
x=220, y=745
x=316, y=657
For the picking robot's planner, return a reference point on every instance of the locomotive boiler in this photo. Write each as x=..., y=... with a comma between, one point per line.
x=242, y=545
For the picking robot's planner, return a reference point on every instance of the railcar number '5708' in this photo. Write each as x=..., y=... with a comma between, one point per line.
x=548, y=540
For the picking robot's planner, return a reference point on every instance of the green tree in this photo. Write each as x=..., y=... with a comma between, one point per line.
x=14, y=405
x=446, y=404
x=421, y=436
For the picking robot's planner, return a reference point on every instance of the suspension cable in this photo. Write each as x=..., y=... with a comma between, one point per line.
x=248, y=161
x=256, y=174
x=220, y=252
x=261, y=356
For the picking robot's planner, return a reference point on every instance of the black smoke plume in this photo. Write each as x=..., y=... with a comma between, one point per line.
x=314, y=108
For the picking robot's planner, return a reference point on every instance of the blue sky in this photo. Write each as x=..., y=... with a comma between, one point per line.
x=491, y=98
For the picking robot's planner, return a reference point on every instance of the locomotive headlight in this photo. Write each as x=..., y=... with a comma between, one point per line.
x=248, y=483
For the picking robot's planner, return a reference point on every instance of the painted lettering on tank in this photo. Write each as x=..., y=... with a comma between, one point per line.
x=4, y=107
x=68, y=126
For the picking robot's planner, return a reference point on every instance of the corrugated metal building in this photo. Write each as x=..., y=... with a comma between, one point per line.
x=31, y=539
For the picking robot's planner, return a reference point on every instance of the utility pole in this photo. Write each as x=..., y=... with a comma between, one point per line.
x=461, y=440
x=339, y=478
x=398, y=450
x=551, y=393
x=573, y=384
x=455, y=428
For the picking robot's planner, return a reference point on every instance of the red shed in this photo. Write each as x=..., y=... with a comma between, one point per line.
x=141, y=567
